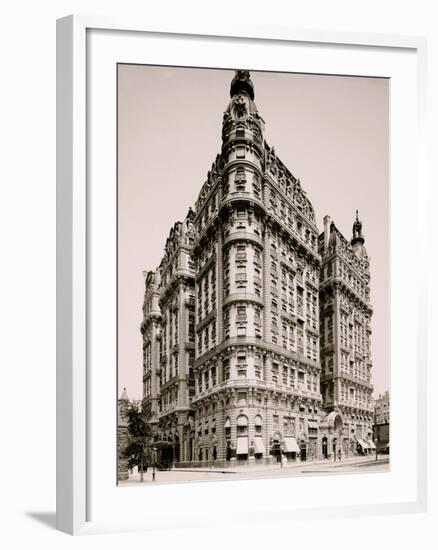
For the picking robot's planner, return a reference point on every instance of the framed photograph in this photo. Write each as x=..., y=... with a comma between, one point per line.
x=238, y=319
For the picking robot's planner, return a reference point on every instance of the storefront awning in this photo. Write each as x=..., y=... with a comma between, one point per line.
x=242, y=446
x=312, y=424
x=371, y=444
x=290, y=445
x=362, y=444
x=259, y=447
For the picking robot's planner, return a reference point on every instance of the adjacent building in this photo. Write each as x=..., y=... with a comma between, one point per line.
x=381, y=409
x=168, y=330
x=345, y=332
x=381, y=423
x=256, y=329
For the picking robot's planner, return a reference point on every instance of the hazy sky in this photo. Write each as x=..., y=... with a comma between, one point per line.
x=330, y=131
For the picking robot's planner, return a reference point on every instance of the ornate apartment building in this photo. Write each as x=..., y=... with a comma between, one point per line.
x=345, y=332
x=233, y=314
x=169, y=343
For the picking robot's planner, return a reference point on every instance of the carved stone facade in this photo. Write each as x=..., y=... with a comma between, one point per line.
x=231, y=327
x=345, y=316
x=169, y=343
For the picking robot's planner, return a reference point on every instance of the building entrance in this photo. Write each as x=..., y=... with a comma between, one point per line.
x=324, y=447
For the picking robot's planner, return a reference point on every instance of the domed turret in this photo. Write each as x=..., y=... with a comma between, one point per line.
x=242, y=83
x=242, y=97
x=358, y=240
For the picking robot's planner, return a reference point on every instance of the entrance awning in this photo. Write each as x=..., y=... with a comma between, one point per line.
x=227, y=423
x=242, y=446
x=371, y=444
x=312, y=424
x=290, y=445
x=362, y=444
x=259, y=447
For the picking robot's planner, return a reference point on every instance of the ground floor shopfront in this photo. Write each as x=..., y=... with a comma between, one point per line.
x=246, y=436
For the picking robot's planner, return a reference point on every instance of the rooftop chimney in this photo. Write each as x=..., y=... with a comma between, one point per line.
x=327, y=221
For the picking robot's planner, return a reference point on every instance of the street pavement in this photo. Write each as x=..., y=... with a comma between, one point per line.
x=356, y=465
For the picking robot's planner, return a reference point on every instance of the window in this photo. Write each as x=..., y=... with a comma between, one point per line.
x=241, y=278
x=241, y=364
x=206, y=380
x=258, y=424
x=227, y=427
x=226, y=365
x=241, y=397
x=242, y=425
x=241, y=253
x=256, y=186
x=241, y=313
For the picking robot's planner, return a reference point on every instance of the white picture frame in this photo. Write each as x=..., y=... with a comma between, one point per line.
x=76, y=395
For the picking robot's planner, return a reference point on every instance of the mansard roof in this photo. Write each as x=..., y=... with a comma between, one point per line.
x=181, y=233
x=288, y=183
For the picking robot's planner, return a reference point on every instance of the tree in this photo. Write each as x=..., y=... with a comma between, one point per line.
x=139, y=430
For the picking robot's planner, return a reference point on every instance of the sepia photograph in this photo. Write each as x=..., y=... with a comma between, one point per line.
x=252, y=275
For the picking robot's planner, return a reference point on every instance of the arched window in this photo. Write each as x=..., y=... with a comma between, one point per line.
x=258, y=424
x=242, y=425
x=227, y=427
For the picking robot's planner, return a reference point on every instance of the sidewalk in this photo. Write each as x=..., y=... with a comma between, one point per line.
x=296, y=464
x=309, y=467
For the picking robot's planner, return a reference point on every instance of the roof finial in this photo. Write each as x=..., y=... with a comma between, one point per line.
x=242, y=83
x=358, y=237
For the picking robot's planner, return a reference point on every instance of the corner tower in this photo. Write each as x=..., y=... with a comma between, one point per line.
x=256, y=295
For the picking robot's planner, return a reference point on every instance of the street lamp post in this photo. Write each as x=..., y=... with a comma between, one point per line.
x=154, y=450
x=376, y=441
